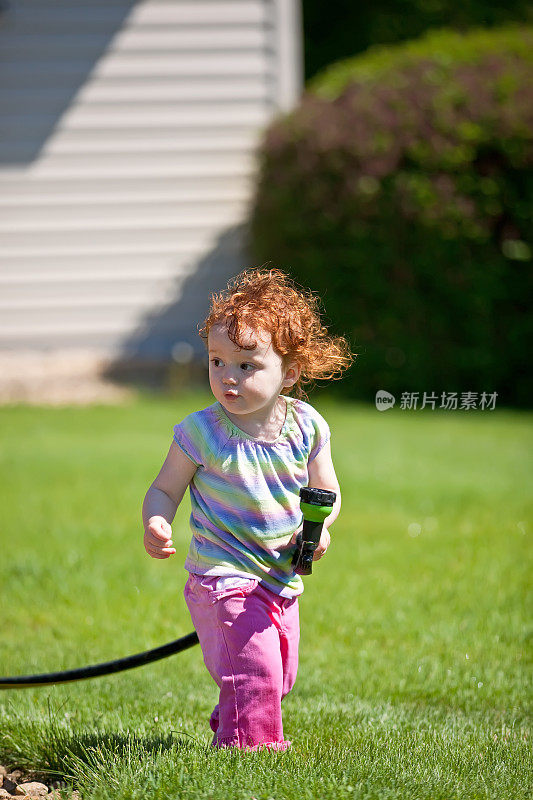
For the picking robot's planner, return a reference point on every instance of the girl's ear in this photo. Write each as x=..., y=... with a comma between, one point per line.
x=292, y=373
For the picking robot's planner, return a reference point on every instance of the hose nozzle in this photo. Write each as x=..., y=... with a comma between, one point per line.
x=316, y=505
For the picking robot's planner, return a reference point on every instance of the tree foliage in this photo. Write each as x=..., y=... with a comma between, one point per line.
x=401, y=189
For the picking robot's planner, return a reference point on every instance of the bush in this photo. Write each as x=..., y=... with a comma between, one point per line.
x=353, y=27
x=401, y=189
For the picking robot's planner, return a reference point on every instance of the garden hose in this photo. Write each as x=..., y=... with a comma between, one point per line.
x=316, y=505
x=105, y=668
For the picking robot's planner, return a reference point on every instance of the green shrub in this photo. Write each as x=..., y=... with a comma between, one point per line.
x=354, y=27
x=401, y=189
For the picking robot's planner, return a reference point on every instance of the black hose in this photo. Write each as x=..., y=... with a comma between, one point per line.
x=106, y=668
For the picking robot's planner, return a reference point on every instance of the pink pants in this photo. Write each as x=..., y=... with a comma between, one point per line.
x=249, y=638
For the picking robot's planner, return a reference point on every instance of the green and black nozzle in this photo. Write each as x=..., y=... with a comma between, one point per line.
x=316, y=505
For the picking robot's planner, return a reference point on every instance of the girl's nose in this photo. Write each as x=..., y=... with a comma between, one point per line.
x=229, y=378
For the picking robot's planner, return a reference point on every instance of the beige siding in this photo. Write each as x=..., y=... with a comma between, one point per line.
x=127, y=161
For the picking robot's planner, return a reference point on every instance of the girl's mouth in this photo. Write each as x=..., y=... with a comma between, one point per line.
x=231, y=394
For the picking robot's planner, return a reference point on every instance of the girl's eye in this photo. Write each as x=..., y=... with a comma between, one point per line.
x=216, y=362
x=247, y=367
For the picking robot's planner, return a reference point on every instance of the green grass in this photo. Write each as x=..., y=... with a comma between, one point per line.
x=414, y=677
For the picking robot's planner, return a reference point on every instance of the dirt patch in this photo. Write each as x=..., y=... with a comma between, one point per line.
x=18, y=783
x=58, y=378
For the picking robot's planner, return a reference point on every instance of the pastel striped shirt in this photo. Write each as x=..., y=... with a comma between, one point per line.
x=245, y=504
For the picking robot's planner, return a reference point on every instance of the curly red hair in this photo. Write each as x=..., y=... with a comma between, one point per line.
x=268, y=300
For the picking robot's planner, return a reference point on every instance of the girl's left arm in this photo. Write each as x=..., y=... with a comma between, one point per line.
x=322, y=476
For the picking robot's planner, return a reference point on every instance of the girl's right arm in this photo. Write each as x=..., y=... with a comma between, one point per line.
x=162, y=499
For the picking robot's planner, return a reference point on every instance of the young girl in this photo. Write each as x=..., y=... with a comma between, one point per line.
x=244, y=459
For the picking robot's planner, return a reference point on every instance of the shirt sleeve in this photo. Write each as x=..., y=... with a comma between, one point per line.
x=321, y=436
x=314, y=428
x=188, y=437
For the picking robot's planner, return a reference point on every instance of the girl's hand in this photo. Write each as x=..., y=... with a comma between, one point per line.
x=157, y=538
x=322, y=546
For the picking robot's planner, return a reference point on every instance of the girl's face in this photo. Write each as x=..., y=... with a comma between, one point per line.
x=247, y=382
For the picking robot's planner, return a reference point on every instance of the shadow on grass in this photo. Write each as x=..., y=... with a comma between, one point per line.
x=68, y=758
x=123, y=745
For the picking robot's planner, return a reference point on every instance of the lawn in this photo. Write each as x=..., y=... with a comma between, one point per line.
x=415, y=673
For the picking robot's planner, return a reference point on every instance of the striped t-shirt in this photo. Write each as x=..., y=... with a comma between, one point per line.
x=244, y=494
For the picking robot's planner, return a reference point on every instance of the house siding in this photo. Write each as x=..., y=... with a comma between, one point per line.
x=127, y=162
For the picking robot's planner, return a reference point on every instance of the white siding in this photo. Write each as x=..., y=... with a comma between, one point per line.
x=127, y=159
